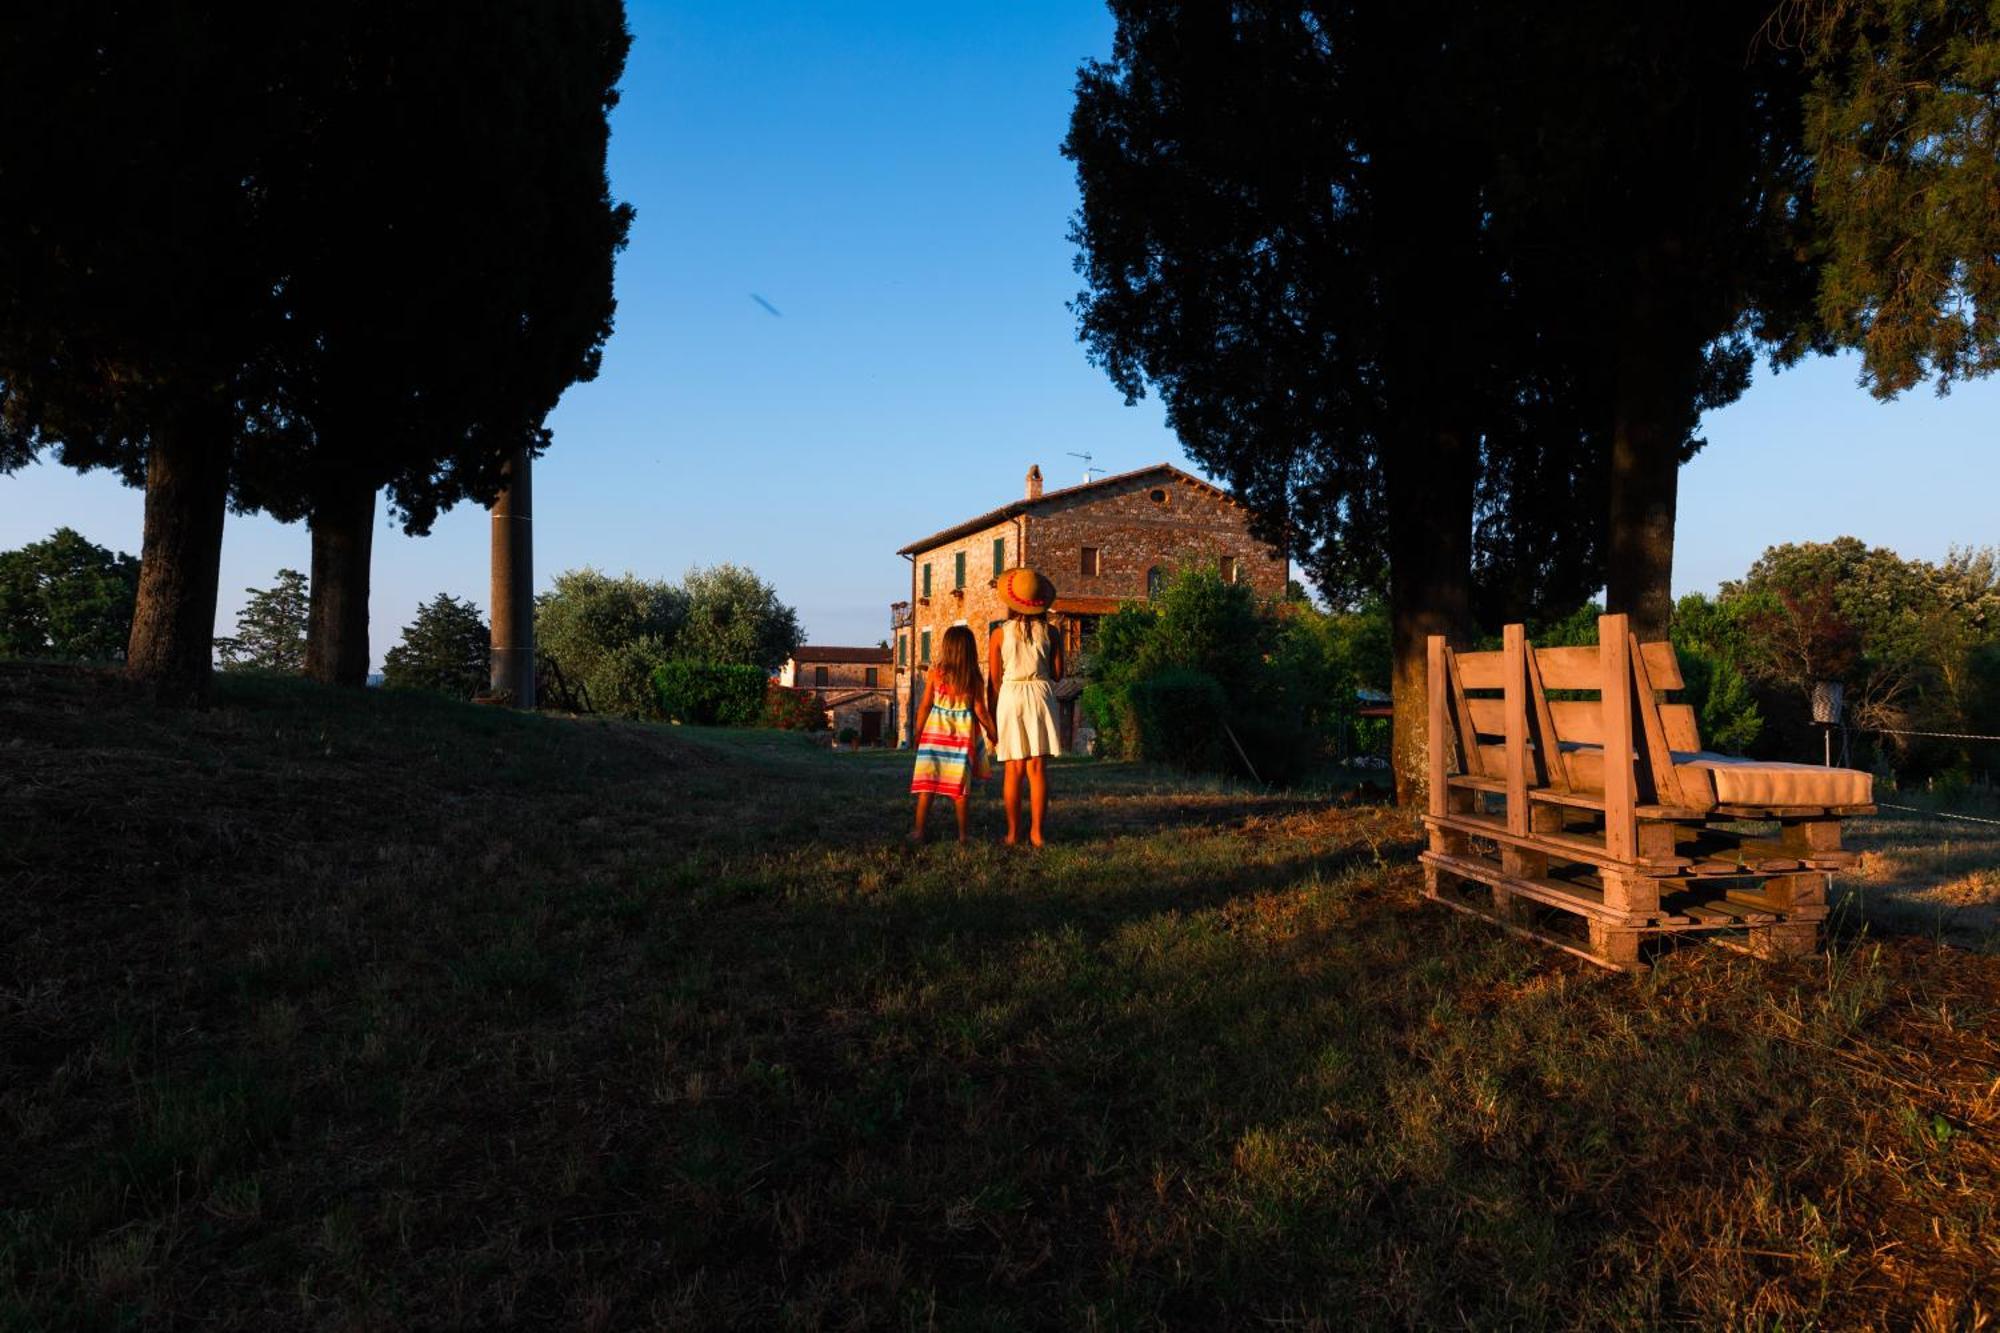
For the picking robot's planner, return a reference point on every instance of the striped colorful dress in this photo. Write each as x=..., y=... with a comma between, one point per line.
x=944, y=749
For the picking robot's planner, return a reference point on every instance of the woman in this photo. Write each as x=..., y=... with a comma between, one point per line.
x=1024, y=661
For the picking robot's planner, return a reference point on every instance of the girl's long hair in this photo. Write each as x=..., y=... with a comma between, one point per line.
x=958, y=663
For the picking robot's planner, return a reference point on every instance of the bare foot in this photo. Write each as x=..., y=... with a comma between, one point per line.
x=1012, y=840
x=914, y=838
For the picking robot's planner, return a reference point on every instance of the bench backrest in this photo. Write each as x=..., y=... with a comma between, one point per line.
x=1492, y=716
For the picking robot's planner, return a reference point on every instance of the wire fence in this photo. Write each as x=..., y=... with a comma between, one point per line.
x=1938, y=814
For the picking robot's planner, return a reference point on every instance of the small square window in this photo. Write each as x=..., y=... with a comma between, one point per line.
x=819, y=675
x=874, y=678
x=1090, y=569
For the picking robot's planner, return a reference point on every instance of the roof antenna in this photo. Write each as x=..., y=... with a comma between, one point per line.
x=1087, y=468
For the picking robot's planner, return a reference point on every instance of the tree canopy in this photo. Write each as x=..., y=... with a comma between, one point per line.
x=444, y=650
x=270, y=629
x=66, y=597
x=370, y=244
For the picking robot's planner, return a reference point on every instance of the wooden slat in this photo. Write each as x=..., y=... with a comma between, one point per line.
x=1461, y=717
x=1569, y=668
x=1662, y=665
x=1489, y=716
x=1666, y=782
x=1679, y=720
x=1548, y=753
x=1480, y=671
x=1577, y=668
x=1579, y=721
x=1514, y=650
x=1434, y=711
x=1614, y=639
x=1569, y=846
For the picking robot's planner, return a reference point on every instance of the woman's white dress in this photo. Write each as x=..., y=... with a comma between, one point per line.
x=1026, y=718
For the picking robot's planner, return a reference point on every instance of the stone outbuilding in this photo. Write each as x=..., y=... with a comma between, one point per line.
x=1104, y=542
x=854, y=685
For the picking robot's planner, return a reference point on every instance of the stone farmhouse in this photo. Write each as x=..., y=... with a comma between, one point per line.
x=853, y=684
x=1102, y=543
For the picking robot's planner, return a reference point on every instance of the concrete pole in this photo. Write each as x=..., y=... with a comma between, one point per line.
x=513, y=591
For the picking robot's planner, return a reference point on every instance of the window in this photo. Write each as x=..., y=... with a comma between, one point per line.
x=958, y=570
x=1229, y=569
x=874, y=678
x=902, y=650
x=1157, y=495
x=1090, y=562
x=999, y=556
x=1086, y=634
x=1153, y=581
x=927, y=578
x=819, y=675
x=924, y=649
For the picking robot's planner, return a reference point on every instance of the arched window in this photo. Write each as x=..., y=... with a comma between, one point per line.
x=1154, y=578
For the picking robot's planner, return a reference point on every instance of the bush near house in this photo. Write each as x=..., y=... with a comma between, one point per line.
x=793, y=710
x=706, y=695
x=1204, y=669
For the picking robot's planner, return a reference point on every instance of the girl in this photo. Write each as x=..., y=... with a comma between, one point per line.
x=954, y=699
x=1024, y=661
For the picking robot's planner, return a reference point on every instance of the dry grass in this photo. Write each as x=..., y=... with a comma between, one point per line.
x=1925, y=875
x=364, y=1012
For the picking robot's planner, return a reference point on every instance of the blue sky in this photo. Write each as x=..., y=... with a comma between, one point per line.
x=887, y=177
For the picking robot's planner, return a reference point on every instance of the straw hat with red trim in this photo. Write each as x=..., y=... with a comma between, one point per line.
x=1026, y=591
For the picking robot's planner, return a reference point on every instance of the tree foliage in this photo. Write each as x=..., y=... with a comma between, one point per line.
x=66, y=597
x=270, y=629
x=1907, y=638
x=1204, y=667
x=446, y=650
x=734, y=617
x=615, y=634
x=1903, y=121
x=296, y=249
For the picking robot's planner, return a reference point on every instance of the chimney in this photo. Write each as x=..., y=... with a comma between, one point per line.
x=1035, y=481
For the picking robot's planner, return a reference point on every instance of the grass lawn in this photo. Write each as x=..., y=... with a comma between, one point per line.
x=370, y=1011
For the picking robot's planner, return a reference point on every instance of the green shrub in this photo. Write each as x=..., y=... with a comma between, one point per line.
x=793, y=710
x=702, y=694
x=1178, y=715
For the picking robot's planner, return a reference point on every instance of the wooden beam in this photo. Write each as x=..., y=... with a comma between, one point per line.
x=1548, y=742
x=1434, y=733
x=1666, y=781
x=1614, y=649
x=1514, y=647
x=1461, y=716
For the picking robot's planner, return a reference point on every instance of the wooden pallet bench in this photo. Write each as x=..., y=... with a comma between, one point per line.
x=1595, y=822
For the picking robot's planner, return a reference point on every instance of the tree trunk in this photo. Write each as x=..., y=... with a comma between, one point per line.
x=513, y=585
x=343, y=538
x=1430, y=556
x=1652, y=418
x=172, y=648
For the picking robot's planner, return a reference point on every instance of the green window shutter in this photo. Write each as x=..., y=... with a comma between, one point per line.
x=999, y=556
x=927, y=578
x=958, y=570
x=902, y=649
x=925, y=648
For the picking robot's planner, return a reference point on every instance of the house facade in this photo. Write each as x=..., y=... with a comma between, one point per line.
x=1108, y=541
x=854, y=685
